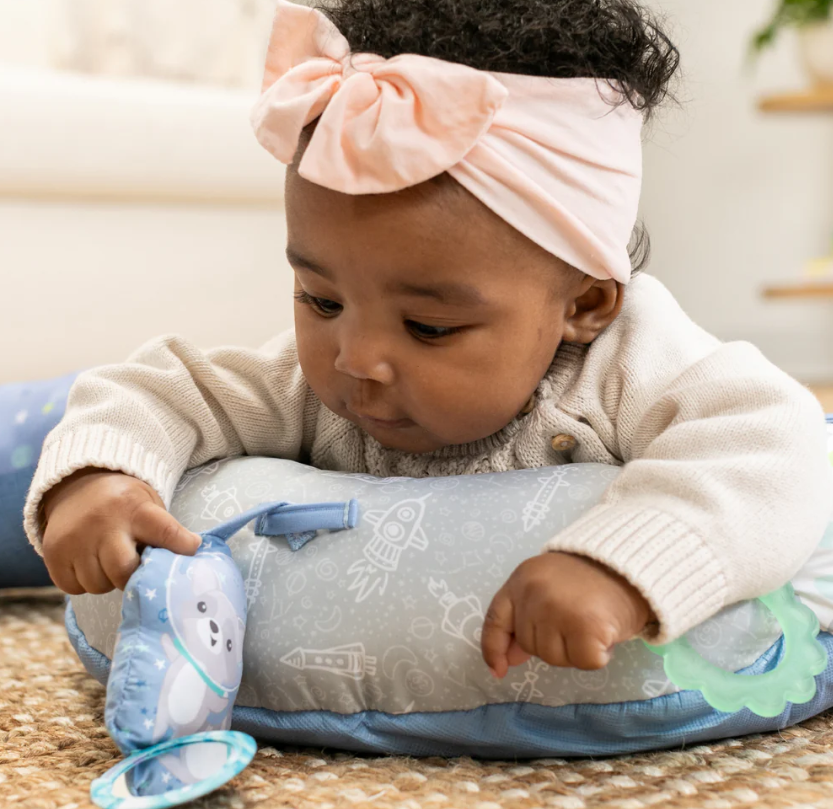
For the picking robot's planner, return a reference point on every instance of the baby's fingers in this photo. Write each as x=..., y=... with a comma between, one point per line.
x=552, y=648
x=119, y=559
x=498, y=628
x=90, y=575
x=588, y=651
x=152, y=525
x=515, y=655
x=63, y=575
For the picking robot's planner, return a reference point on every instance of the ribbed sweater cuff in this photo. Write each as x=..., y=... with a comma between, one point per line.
x=669, y=564
x=92, y=446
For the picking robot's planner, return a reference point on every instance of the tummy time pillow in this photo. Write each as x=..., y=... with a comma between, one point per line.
x=368, y=638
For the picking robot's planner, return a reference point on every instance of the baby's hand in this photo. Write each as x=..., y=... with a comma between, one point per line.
x=567, y=610
x=94, y=521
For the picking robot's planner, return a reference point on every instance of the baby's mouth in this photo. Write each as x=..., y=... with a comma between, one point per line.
x=397, y=424
x=388, y=424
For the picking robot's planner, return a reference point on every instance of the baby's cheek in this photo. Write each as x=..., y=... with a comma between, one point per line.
x=316, y=356
x=466, y=409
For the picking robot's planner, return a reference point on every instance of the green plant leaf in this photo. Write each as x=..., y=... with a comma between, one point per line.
x=791, y=13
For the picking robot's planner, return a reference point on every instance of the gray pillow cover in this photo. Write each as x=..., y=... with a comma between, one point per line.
x=387, y=616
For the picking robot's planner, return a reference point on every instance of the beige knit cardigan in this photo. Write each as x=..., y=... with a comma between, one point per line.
x=725, y=489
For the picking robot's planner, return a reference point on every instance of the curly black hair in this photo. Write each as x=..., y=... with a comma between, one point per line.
x=616, y=41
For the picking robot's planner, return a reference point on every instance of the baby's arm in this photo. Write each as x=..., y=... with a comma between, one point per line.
x=725, y=491
x=169, y=408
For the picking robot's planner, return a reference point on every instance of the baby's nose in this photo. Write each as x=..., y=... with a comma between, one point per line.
x=214, y=628
x=362, y=357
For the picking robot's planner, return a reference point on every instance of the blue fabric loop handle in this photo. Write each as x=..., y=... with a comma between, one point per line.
x=290, y=519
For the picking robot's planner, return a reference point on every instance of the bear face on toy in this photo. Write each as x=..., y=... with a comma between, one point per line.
x=204, y=650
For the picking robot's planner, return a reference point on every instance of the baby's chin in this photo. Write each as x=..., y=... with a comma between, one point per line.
x=412, y=440
x=409, y=438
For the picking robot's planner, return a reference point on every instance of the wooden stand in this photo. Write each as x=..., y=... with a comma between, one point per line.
x=818, y=99
x=802, y=290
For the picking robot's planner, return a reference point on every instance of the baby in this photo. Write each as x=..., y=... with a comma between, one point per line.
x=462, y=191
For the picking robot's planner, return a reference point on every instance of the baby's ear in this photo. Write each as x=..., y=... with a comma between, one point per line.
x=595, y=307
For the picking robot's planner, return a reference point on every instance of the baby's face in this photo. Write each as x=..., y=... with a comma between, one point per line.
x=421, y=316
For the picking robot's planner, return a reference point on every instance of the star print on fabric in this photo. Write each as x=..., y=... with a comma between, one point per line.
x=441, y=557
x=148, y=724
x=21, y=417
x=299, y=621
x=160, y=664
x=140, y=647
x=150, y=594
x=129, y=595
x=409, y=602
x=166, y=777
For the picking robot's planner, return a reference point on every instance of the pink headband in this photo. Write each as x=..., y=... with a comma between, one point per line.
x=550, y=156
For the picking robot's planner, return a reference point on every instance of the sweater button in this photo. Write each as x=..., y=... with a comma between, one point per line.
x=563, y=442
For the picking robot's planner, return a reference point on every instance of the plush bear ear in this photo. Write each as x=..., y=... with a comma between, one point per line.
x=204, y=577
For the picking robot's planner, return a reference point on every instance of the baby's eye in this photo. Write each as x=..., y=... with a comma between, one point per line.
x=323, y=306
x=430, y=332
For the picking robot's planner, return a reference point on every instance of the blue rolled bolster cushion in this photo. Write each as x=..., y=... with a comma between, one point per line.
x=28, y=411
x=363, y=619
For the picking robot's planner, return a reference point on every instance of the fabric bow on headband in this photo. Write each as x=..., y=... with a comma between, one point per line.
x=552, y=157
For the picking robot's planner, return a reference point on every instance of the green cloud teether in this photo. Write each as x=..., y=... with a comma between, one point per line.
x=792, y=680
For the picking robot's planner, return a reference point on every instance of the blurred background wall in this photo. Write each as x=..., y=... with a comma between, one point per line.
x=735, y=199
x=137, y=202
x=133, y=202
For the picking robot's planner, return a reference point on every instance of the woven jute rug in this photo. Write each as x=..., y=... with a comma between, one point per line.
x=53, y=743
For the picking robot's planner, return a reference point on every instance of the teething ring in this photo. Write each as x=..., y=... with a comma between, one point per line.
x=767, y=694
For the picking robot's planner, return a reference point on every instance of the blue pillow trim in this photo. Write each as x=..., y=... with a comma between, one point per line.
x=511, y=730
x=96, y=664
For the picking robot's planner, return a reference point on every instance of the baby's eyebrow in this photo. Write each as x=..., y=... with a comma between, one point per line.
x=445, y=292
x=450, y=292
x=297, y=260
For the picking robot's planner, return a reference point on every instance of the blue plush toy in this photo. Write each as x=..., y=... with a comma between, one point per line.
x=179, y=654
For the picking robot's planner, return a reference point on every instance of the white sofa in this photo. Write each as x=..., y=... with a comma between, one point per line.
x=131, y=209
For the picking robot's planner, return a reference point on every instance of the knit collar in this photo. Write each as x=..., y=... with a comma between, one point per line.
x=564, y=368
